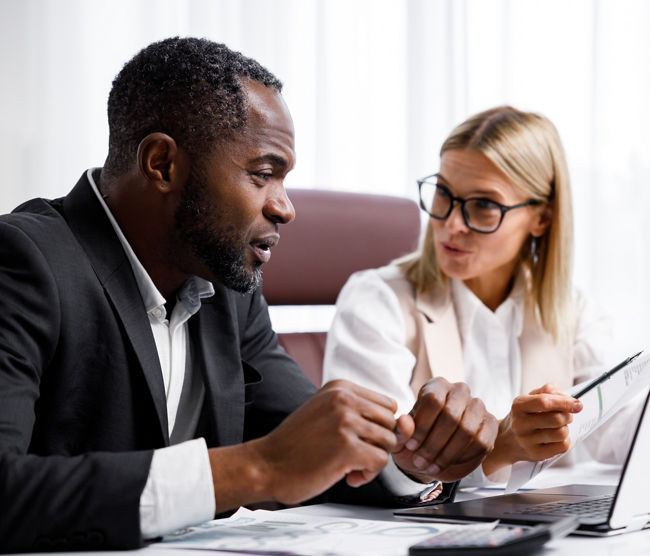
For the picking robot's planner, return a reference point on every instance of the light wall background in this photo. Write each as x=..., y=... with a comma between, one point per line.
x=374, y=87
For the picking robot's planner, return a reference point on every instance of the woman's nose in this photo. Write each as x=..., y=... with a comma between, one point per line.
x=455, y=221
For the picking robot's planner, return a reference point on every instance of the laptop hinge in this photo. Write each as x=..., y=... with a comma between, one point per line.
x=637, y=523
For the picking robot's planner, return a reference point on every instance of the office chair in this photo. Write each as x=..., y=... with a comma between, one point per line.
x=334, y=234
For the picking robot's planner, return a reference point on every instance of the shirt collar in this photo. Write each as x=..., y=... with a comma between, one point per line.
x=193, y=290
x=510, y=313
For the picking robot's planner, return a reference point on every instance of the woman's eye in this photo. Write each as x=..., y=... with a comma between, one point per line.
x=485, y=204
x=442, y=191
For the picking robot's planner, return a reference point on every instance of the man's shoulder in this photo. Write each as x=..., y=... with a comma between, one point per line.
x=39, y=205
x=38, y=225
x=36, y=216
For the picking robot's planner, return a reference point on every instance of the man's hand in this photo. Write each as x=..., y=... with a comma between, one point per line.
x=453, y=433
x=535, y=429
x=344, y=430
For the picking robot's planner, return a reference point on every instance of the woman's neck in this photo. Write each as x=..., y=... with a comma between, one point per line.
x=494, y=288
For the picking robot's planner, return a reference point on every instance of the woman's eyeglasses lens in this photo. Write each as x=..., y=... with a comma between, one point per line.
x=481, y=215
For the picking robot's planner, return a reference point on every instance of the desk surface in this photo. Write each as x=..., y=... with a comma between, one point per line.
x=628, y=544
x=588, y=473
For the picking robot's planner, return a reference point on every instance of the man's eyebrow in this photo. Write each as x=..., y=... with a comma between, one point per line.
x=273, y=159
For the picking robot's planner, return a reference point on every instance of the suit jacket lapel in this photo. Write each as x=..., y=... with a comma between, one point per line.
x=542, y=360
x=94, y=232
x=216, y=349
x=440, y=330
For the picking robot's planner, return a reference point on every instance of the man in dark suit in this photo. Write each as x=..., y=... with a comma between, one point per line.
x=141, y=385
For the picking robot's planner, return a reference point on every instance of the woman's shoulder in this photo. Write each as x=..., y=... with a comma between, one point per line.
x=390, y=277
x=368, y=296
x=386, y=286
x=385, y=275
x=590, y=314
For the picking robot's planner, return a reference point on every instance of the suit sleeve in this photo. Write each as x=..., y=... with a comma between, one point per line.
x=283, y=386
x=49, y=501
x=282, y=389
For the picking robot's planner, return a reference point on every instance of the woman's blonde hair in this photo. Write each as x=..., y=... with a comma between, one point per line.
x=526, y=147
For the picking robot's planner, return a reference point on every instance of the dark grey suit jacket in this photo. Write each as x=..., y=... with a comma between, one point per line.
x=82, y=404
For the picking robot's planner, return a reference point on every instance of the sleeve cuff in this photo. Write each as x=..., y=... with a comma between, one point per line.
x=179, y=490
x=399, y=484
x=478, y=478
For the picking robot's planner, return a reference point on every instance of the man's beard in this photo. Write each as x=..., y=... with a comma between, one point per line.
x=220, y=249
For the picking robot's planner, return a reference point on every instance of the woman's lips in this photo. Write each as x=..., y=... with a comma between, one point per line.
x=454, y=250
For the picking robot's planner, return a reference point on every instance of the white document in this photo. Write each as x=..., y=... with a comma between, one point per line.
x=292, y=534
x=599, y=404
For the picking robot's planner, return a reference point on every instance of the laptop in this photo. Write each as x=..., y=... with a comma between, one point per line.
x=602, y=510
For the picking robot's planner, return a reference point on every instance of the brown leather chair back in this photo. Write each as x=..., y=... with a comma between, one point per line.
x=334, y=234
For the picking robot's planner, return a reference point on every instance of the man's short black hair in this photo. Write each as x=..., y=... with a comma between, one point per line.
x=188, y=88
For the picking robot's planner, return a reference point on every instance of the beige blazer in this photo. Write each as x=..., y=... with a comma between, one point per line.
x=432, y=335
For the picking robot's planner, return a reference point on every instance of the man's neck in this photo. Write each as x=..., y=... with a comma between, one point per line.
x=138, y=219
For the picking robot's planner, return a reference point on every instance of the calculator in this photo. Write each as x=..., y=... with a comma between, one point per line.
x=502, y=540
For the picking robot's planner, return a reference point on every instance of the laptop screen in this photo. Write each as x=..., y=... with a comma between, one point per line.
x=632, y=499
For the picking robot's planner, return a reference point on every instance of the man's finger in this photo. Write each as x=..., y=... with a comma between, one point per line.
x=360, y=477
x=366, y=393
x=374, y=434
x=435, y=397
x=403, y=430
x=347, y=398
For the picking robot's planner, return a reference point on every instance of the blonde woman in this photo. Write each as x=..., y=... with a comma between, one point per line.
x=486, y=299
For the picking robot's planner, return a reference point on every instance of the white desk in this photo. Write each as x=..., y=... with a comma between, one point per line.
x=589, y=473
x=631, y=544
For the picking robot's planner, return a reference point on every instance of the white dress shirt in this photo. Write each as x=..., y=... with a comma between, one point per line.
x=179, y=490
x=491, y=354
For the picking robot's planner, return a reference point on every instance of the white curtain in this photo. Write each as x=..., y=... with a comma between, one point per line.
x=374, y=87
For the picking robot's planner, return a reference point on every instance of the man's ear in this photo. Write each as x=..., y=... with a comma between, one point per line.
x=541, y=220
x=160, y=161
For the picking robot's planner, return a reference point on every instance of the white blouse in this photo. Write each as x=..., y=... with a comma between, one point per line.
x=366, y=344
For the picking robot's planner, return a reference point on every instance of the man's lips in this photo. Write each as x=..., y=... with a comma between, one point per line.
x=262, y=246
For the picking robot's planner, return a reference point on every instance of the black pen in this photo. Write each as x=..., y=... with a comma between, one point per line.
x=606, y=375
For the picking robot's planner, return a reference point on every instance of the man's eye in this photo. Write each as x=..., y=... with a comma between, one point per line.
x=264, y=175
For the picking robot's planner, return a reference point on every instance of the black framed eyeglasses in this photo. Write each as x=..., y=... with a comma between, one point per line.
x=480, y=214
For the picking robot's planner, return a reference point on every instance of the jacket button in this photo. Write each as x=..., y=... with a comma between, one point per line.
x=95, y=538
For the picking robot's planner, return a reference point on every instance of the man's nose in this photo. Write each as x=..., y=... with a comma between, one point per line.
x=279, y=208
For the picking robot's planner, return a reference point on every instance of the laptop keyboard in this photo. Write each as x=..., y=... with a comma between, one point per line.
x=596, y=508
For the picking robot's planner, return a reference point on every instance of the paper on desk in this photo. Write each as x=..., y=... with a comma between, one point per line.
x=599, y=404
x=290, y=534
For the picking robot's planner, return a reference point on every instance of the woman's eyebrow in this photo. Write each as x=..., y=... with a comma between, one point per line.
x=475, y=193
